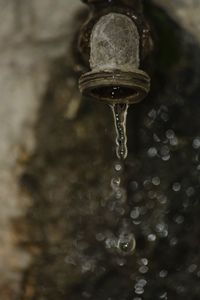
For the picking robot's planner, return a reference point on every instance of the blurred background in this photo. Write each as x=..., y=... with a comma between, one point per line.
x=57, y=155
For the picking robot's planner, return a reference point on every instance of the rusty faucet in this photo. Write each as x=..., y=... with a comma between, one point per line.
x=113, y=44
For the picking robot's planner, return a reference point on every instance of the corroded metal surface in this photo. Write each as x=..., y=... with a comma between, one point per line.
x=114, y=44
x=116, y=37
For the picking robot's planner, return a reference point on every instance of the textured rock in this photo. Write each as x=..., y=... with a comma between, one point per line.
x=184, y=12
x=20, y=93
x=53, y=19
x=7, y=19
x=28, y=34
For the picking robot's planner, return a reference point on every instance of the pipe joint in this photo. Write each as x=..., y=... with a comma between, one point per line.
x=115, y=43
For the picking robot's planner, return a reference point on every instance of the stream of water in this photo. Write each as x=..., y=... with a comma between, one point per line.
x=125, y=242
x=120, y=115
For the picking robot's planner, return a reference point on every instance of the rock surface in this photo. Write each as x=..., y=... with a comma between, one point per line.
x=184, y=12
x=32, y=34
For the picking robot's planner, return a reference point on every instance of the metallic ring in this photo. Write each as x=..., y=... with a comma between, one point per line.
x=115, y=86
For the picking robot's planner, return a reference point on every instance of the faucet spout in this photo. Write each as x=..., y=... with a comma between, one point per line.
x=114, y=60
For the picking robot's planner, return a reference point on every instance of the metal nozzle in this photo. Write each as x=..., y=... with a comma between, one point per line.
x=114, y=61
x=115, y=86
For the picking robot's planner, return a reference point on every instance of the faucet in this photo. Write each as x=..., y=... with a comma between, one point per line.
x=113, y=44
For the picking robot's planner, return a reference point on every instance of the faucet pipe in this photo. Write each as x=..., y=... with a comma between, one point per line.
x=114, y=41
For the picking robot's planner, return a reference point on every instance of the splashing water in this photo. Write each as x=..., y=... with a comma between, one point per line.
x=120, y=116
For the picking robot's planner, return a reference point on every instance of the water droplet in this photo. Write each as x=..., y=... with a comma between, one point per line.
x=151, y=237
x=156, y=138
x=142, y=282
x=196, y=143
x=166, y=158
x=164, y=117
x=120, y=211
x=87, y=266
x=139, y=286
x=162, y=229
x=174, y=141
x=179, y=219
x=126, y=243
x=163, y=273
x=152, y=114
x=164, y=296
x=118, y=193
x=118, y=167
x=192, y=268
x=147, y=184
x=164, y=151
x=120, y=115
x=135, y=213
x=173, y=242
x=110, y=242
x=162, y=199
x=115, y=182
x=156, y=181
x=170, y=134
x=139, y=291
x=143, y=269
x=136, y=222
x=176, y=187
x=152, y=152
x=144, y=261
x=190, y=191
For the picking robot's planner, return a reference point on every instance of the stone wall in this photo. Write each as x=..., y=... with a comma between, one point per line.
x=184, y=12
x=32, y=34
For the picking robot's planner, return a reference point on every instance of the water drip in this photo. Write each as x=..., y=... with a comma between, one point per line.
x=124, y=241
x=120, y=116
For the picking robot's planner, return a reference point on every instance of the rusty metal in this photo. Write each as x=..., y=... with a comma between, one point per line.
x=113, y=56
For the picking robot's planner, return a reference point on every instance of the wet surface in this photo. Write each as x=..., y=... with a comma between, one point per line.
x=78, y=222
x=119, y=116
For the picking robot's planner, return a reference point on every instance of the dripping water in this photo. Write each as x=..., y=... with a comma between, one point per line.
x=124, y=241
x=120, y=116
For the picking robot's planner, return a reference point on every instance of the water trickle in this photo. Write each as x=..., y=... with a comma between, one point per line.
x=120, y=115
x=126, y=243
x=118, y=195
